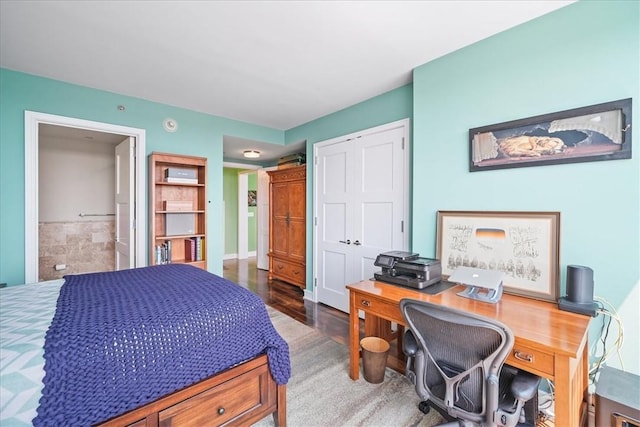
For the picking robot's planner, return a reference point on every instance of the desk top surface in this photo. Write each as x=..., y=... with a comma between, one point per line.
x=538, y=324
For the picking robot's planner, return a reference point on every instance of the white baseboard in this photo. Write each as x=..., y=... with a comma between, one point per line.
x=309, y=295
x=235, y=256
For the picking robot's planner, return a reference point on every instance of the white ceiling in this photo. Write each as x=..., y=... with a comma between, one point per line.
x=272, y=63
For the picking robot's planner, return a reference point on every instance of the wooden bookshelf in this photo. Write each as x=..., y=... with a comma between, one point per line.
x=178, y=205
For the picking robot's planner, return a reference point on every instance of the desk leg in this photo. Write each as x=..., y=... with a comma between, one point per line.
x=570, y=388
x=354, y=338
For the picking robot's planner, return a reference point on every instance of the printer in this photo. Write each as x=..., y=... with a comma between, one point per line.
x=407, y=269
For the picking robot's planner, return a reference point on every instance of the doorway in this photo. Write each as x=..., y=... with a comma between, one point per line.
x=33, y=123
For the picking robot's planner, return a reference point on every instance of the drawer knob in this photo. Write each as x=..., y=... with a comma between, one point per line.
x=365, y=303
x=525, y=357
x=220, y=411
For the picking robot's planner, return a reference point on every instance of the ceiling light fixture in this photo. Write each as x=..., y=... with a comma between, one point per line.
x=251, y=154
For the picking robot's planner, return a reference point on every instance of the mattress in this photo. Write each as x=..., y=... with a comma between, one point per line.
x=26, y=313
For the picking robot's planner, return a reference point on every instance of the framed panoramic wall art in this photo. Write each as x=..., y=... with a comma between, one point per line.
x=524, y=245
x=587, y=134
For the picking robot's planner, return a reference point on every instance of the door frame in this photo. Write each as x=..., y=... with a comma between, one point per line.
x=32, y=120
x=405, y=124
x=243, y=220
x=262, y=251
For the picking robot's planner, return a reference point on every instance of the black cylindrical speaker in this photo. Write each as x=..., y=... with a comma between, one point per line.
x=579, y=284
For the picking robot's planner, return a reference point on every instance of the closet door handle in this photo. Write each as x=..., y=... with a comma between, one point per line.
x=348, y=242
x=357, y=243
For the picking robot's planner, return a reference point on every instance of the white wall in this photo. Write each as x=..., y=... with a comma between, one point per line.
x=75, y=175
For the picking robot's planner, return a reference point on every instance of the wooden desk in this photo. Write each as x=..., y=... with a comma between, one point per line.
x=549, y=342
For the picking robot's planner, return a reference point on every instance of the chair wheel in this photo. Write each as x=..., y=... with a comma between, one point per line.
x=424, y=407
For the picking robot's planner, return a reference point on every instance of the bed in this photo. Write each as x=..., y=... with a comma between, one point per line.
x=168, y=345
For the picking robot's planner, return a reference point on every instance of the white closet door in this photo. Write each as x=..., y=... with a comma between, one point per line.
x=379, y=200
x=361, y=207
x=334, y=208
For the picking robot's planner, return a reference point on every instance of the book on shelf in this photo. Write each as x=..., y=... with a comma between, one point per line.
x=189, y=249
x=181, y=180
x=167, y=245
x=198, y=248
x=181, y=175
x=163, y=253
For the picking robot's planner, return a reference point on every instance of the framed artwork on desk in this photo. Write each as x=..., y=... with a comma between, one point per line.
x=525, y=245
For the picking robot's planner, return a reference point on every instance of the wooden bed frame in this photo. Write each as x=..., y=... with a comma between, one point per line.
x=241, y=395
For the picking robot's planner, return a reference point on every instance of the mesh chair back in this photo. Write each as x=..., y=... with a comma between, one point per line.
x=462, y=351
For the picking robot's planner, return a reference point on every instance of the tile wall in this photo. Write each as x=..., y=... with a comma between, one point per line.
x=83, y=246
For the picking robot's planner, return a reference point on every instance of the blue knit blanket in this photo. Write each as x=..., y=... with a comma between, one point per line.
x=119, y=340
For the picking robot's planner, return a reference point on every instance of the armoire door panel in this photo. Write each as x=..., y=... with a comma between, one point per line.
x=297, y=200
x=280, y=200
x=280, y=240
x=297, y=243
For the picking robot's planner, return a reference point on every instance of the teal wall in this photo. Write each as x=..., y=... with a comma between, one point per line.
x=385, y=108
x=198, y=134
x=584, y=54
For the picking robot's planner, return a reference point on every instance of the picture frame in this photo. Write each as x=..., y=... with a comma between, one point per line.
x=252, y=198
x=587, y=134
x=525, y=245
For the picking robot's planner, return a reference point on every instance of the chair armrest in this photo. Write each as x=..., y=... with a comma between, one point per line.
x=409, y=343
x=524, y=385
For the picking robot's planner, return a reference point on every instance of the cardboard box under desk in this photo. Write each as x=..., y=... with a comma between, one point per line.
x=178, y=205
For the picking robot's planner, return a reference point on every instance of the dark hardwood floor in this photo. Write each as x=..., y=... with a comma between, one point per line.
x=288, y=299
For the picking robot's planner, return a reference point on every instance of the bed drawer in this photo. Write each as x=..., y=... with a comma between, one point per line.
x=232, y=402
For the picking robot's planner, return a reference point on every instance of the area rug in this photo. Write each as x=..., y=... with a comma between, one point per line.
x=320, y=392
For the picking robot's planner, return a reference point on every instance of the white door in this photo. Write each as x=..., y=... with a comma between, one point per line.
x=361, y=207
x=125, y=206
x=262, y=244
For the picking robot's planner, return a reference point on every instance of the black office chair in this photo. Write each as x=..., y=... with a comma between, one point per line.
x=455, y=359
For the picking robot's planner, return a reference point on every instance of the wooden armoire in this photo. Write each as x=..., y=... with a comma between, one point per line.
x=287, y=228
